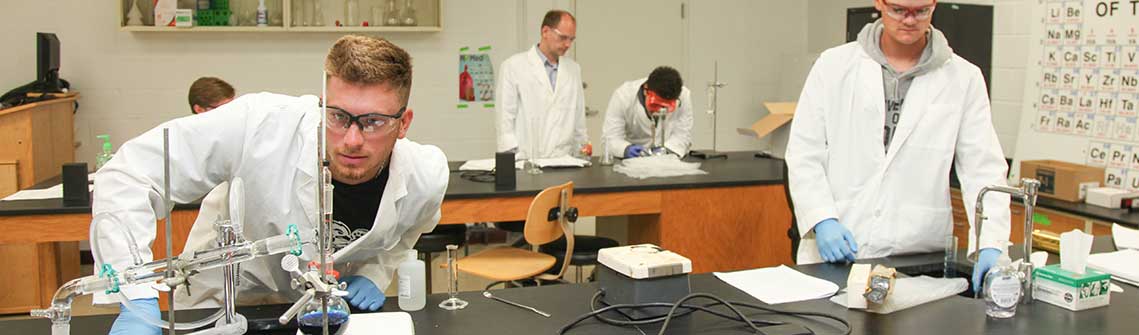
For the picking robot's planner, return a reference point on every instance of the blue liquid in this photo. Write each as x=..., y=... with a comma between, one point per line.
x=311, y=323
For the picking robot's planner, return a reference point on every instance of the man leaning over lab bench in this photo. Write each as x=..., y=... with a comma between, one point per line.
x=388, y=189
x=628, y=129
x=878, y=124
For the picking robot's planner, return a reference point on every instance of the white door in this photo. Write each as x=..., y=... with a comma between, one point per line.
x=618, y=41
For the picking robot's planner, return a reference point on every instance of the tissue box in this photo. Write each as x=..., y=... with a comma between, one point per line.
x=1062, y=180
x=1111, y=197
x=1071, y=290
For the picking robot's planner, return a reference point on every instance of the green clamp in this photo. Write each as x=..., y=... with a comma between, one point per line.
x=108, y=272
x=295, y=234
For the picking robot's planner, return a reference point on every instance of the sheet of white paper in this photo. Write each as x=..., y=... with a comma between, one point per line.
x=1116, y=288
x=54, y=192
x=564, y=161
x=1120, y=264
x=488, y=164
x=1125, y=238
x=777, y=285
x=478, y=165
x=391, y=323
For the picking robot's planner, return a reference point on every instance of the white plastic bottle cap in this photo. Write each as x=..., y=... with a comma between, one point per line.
x=412, y=255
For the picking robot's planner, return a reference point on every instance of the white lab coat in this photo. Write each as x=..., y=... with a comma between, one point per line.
x=895, y=202
x=269, y=141
x=626, y=122
x=528, y=107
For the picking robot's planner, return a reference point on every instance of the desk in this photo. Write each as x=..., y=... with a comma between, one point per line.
x=36, y=139
x=735, y=217
x=39, y=137
x=953, y=315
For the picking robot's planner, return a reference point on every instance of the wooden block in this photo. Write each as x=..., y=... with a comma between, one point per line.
x=22, y=271
x=9, y=181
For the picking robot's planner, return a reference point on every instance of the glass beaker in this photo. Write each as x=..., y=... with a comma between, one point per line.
x=391, y=14
x=453, y=303
x=950, y=270
x=407, y=15
x=606, y=157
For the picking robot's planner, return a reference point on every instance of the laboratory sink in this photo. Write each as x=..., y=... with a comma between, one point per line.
x=957, y=270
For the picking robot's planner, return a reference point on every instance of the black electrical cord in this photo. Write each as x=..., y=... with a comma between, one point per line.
x=691, y=308
x=478, y=176
x=672, y=311
x=738, y=316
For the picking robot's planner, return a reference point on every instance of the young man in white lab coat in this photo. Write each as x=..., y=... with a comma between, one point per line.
x=540, y=105
x=878, y=124
x=388, y=189
x=628, y=128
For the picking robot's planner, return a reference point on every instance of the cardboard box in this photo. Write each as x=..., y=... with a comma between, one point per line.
x=1062, y=180
x=779, y=114
x=1071, y=290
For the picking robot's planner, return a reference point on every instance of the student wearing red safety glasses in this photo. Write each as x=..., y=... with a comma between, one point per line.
x=877, y=127
x=628, y=128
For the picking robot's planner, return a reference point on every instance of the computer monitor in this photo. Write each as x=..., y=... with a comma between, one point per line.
x=47, y=62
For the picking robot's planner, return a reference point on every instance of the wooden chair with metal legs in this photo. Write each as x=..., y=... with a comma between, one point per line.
x=548, y=219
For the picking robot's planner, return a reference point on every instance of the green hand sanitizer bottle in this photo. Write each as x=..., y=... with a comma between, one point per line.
x=107, y=153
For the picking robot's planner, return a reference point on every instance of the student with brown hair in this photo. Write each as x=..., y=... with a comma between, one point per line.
x=387, y=192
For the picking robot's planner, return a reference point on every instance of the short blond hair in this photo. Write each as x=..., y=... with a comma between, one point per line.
x=365, y=60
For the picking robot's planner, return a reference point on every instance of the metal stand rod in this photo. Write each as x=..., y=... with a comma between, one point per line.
x=169, y=224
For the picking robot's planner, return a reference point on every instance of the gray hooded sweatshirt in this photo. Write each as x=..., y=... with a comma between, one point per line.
x=936, y=53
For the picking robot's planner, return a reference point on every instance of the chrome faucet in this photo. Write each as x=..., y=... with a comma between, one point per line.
x=1027, y=194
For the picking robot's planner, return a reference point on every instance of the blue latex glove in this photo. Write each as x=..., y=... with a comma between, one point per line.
x=130, y=323
x=836, y=243
x=363, y=294
x=634, y=150
x=986, y=258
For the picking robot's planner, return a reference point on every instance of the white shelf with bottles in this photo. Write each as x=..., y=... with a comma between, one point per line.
x=301, y=16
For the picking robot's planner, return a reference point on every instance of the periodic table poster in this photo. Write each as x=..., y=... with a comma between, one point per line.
x=1082, y=87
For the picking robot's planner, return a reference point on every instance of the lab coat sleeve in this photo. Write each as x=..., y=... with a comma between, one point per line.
x=204, y=150
x=435, y=175
x=980, y=162
x=680, y=128
x=807, y=155
x=613, y=130
x=580, y=133
x=506, y=109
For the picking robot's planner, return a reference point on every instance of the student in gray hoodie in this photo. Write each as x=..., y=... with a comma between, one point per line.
x=876, y=128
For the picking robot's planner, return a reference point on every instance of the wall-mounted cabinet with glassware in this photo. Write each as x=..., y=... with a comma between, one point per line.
x=281, y=15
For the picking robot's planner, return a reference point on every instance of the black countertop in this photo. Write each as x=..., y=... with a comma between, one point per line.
x=740, y=169
x=953, y=315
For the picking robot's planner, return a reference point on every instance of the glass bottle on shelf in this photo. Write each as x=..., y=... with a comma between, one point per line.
x=310, y=12
x=317, y=13
x=351, y=12
x=296, y=13
x=407, y=15
x=276, y=13
x=391, y=15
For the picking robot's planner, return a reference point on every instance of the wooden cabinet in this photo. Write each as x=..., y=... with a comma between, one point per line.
x=39, y=137
x=289, y=16
x=1045, y=219
x=39, y=268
